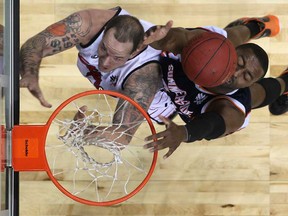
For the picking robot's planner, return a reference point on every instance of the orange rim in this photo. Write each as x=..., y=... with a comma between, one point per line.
x=39, y=162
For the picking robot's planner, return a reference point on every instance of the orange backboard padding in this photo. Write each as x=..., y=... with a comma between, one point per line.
x=28, y=148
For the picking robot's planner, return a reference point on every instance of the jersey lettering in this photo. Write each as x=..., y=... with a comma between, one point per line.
x=93, y=72
x=180, y=95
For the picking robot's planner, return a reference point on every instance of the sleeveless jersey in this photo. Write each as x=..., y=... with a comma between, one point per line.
x=114, y=80
x=192, y=100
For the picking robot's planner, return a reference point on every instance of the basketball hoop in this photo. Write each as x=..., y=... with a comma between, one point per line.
x=87, y=155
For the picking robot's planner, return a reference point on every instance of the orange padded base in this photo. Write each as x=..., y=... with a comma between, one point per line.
x=28, y=148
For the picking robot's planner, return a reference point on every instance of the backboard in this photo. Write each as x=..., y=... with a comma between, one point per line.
x=2, y=119
x=9, y=103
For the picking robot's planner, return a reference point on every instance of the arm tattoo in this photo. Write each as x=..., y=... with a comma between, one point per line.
x=75, y=22
x=141, y=87
x=31, y=54
x=68, y=32
x=56, y=38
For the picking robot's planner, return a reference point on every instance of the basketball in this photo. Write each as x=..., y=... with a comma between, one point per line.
x=209, y=59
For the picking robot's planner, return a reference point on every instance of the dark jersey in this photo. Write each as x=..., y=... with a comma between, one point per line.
x=190, y=99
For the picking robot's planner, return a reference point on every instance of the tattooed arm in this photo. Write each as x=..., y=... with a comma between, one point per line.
x=78, y=28
x=141, y=86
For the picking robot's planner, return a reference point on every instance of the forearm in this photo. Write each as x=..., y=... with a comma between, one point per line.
x=141, y=86
x=174, y=41
x=31, y=55
x=267, y=90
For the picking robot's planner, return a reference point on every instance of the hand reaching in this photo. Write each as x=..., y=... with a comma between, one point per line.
x=32, y=84
x=112, y=133
x=76, y=125
x=170, y=138
x=80, y=113
x=157, y=33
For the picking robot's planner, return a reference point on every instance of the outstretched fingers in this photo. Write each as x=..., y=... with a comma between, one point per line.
x=160, y=140
x=170, y=138
x=81, y=113
x=157, y=33
x=157, y=144
x=32, y=85
x=40, y=97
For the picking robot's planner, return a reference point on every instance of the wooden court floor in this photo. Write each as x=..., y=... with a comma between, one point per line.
x=242, y=174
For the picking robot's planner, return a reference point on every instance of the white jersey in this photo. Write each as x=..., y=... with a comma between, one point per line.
x=115, y=80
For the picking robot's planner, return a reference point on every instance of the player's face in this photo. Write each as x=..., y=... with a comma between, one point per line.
x=112, y=53
x=248, y=70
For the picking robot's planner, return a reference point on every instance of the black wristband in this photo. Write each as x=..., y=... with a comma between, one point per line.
x=272, y=90
x=207, y=126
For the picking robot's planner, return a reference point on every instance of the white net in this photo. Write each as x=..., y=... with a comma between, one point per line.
x=88, y=153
